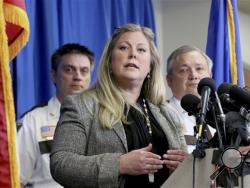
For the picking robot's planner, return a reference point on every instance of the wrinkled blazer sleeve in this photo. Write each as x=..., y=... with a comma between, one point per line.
x=78, y=159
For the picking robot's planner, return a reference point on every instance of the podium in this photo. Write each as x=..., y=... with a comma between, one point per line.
x=182, y=177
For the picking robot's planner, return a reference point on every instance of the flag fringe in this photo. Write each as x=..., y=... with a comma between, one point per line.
x=17, y=16
x=5, y=57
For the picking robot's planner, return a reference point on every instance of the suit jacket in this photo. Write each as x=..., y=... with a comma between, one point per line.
x=84, y=154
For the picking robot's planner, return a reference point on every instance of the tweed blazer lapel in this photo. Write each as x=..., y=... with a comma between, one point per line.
x=167, y=126
x=119, y=130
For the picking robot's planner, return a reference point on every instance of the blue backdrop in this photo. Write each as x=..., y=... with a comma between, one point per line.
x=55, y=22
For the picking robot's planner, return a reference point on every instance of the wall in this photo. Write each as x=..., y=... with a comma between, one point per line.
x=245, y=39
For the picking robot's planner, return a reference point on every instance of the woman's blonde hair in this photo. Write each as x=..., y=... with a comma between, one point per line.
x=112, y=102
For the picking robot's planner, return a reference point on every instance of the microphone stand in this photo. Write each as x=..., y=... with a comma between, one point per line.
x=224, y=178
x=221, y=146
x=216, y=160
x=222, y=119
x=199, y=133
x=199, y=151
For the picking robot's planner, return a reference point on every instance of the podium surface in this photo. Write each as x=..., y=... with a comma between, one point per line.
x=182, y=177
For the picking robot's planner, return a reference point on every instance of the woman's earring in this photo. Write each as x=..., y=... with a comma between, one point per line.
x=148, y=76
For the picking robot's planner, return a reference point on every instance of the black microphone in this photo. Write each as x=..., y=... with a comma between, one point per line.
x=237, y=126
x=240, y=95
x=244, y=134
x=205, y=87
x=234, y=98
x=190, y=103
x=224, y=88
x=228, y=103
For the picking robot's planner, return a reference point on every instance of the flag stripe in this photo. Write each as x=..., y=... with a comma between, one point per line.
x=231, y=38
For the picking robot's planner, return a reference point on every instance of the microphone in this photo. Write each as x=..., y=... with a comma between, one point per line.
x=237, y=126
x=240, y=95
x=190, y=103
x=234, y=98
x=227, y=102
x=205, y=87
x=224, y=88
x=234, y=101
x=244, y=134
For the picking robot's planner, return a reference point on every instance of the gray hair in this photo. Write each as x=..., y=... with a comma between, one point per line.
x=182, y=50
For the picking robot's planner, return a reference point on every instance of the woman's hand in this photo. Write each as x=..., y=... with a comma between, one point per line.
x=244, y=149
x=173, y=158
x=141, y=161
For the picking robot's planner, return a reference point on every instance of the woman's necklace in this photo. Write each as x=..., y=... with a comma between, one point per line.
x=151, y=175
x=147, y=117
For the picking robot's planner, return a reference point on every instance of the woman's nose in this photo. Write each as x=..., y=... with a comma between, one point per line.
x=132, y=53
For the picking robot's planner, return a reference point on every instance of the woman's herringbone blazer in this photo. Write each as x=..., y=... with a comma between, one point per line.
x=88, y=154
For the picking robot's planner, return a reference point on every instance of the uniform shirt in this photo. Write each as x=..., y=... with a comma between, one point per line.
x=188, y=121
x=34, y=140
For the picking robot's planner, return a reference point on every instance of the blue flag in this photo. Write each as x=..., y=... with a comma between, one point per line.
x=223, y=42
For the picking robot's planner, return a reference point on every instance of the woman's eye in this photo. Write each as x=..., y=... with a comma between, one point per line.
x=142, y=50
x=123, y=48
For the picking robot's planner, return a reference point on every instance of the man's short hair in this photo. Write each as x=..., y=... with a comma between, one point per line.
x=182, y=50
x=71, y=48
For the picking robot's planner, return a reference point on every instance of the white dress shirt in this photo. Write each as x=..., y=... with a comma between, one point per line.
x=189, y=122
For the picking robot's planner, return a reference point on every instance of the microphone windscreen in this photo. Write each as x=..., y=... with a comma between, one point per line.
x=206, y=82
x=190, y=103
x=236, y=125
x=240, y=95
x=224, y=88
x=234, y=120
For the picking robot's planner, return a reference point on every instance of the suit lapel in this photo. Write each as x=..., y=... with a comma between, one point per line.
x=157, y=114
x=164, y=124
x=119, y=130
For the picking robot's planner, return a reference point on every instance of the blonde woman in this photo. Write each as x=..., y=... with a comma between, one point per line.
x=120, y=133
